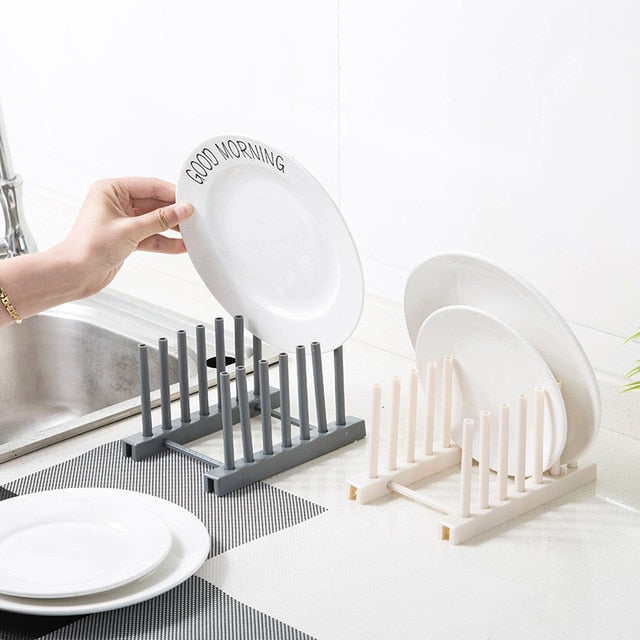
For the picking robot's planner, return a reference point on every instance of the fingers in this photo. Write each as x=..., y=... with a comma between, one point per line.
x=148, y=188
x=144, y=205
x=161, y=244
x=149, y=224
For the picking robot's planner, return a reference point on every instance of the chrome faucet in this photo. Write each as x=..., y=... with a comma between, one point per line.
x=17, y=237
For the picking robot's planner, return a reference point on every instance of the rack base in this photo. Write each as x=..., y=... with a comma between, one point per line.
x=231, y=474
x=367, y=489
x=455, y=528
x=222, y=481
x=139, y=447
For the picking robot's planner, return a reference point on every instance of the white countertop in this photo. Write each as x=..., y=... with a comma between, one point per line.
x=567, y=570
x=380, y=570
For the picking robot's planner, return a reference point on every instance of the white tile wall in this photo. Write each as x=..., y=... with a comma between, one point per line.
x=507, y=130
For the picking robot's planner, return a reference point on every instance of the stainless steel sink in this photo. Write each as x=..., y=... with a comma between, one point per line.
x=75, y=368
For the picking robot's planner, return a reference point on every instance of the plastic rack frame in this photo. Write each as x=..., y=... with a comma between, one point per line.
x=230, y=474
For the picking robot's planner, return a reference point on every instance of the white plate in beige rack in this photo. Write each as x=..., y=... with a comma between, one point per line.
x=492, y=365
x=270, y=244
x=462, y=279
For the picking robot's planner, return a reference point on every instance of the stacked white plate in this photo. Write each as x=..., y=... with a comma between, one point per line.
x=507, y=340
x=79, y=551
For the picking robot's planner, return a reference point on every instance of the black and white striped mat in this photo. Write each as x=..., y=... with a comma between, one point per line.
x=195, y=609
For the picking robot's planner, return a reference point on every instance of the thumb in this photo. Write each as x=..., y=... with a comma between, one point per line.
x=159, y=220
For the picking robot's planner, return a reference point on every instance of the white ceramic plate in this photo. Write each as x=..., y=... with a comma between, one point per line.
x=74, y=543
x=493, y=364
x=270, y=244
x=189, y=549
x=460, y=279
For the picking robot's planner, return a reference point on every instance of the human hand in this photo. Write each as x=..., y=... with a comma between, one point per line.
x=118, y=217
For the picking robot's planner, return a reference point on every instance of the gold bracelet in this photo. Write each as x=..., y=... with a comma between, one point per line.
x=11, y=310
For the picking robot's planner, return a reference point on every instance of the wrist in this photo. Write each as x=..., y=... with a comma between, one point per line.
x=38, y=281
x=69, y=274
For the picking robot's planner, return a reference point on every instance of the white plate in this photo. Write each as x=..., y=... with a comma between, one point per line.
x=460, y=279
x=493, y=364
x=270, y=244
x=72, y=544
x=189, y=549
